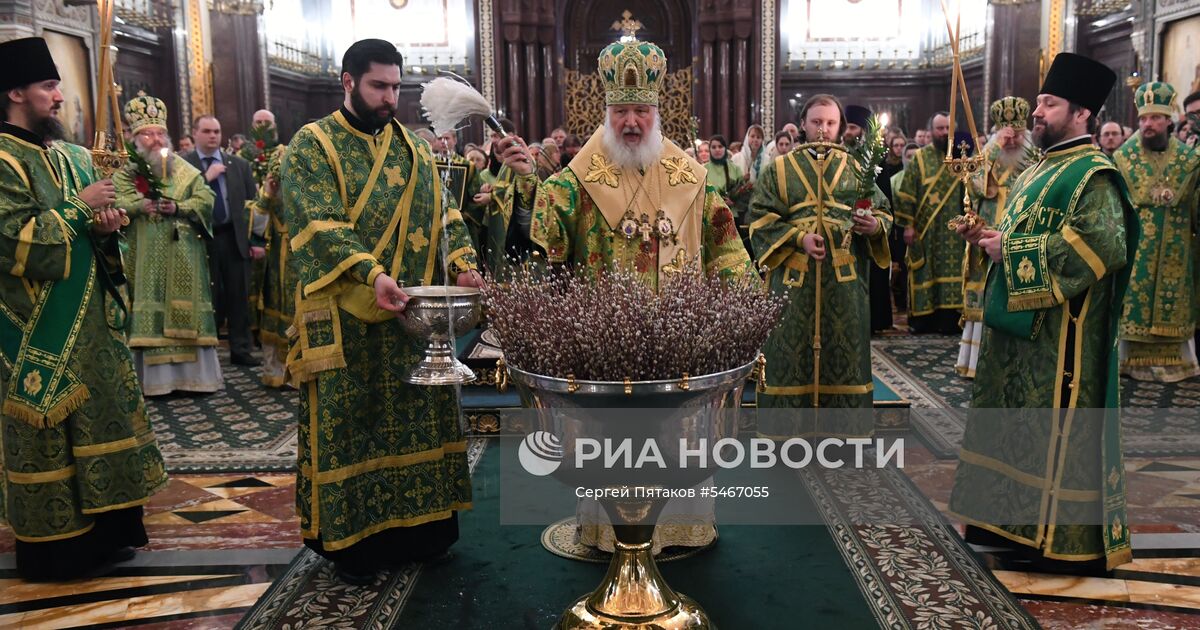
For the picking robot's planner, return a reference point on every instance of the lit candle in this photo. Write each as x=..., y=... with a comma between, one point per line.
x=164, y=152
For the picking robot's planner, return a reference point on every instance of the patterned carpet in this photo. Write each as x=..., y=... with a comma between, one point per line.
x=244, y=427
x=1159, y=419
x=913, y=569
x=910, y=568
x=310, y=595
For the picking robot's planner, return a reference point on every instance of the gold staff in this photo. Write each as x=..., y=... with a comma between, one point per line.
x=821, y=150
x=105, y=159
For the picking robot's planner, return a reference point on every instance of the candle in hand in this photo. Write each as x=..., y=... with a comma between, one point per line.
x=164, y=152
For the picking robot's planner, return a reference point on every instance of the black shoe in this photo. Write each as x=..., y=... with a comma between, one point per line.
x=245, y=359
x=351, y=577
x=122, y=554
x=1040, y=564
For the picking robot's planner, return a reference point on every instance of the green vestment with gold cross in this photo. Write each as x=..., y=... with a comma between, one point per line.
x=1041, y=457
x=930, y=195
x=278, y=292
x=595, y=214
x=1158, y=317
x=74, y=435
x=171, y=315
x=374, y=452
x=783, y=211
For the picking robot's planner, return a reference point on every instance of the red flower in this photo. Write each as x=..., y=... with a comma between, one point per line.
x=261, y=144
x=863, y=204
x=141, y=184
x=262, y=157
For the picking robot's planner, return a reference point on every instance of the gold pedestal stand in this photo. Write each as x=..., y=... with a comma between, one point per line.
x=633, y=593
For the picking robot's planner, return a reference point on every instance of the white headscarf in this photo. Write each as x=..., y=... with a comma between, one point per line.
x=743, y=158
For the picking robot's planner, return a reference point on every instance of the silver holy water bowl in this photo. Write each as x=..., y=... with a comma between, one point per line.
x=435, y=313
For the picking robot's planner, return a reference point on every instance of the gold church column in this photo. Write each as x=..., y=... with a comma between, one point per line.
x=199, y=56
x=1054, y=21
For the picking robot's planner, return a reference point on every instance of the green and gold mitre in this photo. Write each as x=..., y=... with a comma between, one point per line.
x=145, y=111
x=1011, y=111
x=1156, y=97
x=632, y=72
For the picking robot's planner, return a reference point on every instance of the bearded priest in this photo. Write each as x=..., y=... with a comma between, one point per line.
x=173, y=331
x=631, y=196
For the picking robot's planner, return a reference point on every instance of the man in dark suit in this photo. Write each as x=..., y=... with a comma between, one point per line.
x=230, y=251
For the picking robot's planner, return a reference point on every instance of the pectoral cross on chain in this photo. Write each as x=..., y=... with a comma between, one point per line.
x=646, y=228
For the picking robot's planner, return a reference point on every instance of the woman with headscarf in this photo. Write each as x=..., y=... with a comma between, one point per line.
x=753, y=154
x=723, y=174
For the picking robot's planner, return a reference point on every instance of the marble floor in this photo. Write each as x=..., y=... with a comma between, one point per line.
x=1159, y=589
x=216, y=544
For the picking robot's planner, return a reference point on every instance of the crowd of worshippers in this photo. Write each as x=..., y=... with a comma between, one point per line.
x=206, y=220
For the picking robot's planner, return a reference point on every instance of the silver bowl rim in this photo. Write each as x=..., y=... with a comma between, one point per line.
x=442, y=291
x=578, y=387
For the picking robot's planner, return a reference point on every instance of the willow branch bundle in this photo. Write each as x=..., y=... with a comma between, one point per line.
x=611, y=326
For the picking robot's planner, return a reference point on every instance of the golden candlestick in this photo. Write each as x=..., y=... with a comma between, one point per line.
x=108, y=153
x=963, y=166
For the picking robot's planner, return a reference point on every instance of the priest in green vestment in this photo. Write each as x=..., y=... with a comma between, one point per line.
x=632, y=199
x=1008, y=155
x=173, y=331
x=929, y=195
x=504, y=206
x=261, y=152
x=811, y=210
x=279, y=281
x=78, y=458
x=1162, y=175
x=382, y=464
x=1040, y=468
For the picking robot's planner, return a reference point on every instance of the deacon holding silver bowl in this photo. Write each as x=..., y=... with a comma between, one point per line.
x=362, y=428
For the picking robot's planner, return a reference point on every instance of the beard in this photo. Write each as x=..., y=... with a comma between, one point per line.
x=1011, y=157
x=1158, y=142
x=1008, y=158
x=49, y=129
x=375, y=118
x=1049, y=135
x=154, y=156
x=640, y=156
x=941, y=143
